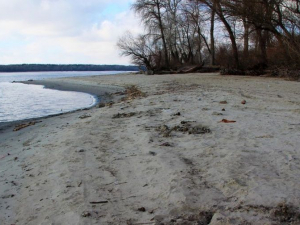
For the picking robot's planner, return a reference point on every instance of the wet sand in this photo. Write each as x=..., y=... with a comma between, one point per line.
x=149, y=160
x=100, y=91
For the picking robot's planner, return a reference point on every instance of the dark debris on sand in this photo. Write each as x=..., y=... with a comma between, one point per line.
x=184, y=127
x=123, y=115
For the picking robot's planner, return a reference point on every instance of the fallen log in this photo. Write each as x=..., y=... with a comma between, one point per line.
x=186, y=69
x=192, y=69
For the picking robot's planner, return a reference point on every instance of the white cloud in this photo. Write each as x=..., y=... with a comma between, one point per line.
x=64, y=31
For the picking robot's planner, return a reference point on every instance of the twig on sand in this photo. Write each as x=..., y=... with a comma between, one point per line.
x=143, y=223
x=99, y=202
x=129, y=197
x=116, y=183
x=227, y=121
x=131, y=223
x=109, y=183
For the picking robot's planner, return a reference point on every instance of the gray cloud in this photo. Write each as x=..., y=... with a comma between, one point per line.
x=63, y=31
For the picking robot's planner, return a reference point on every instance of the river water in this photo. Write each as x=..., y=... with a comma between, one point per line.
x=22, y=101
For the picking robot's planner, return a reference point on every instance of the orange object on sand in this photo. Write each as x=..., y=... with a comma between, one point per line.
x=227, y=121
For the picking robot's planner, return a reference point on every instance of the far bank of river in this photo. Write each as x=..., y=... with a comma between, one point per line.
x=23, y=76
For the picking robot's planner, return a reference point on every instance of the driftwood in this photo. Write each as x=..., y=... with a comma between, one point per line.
x=209, y=69
x=187, y=69
x=192, y=69
x=99, y=202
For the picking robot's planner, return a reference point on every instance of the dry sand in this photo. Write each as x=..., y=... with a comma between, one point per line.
x=138, y=170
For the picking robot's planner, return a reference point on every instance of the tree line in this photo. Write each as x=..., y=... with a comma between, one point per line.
x=240, y=34
x=62, y=67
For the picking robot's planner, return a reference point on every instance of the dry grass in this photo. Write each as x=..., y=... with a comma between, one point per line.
x=133, y=92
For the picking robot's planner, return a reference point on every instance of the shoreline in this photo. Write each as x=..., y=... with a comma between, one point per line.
x=101, y=93
x=167, y=157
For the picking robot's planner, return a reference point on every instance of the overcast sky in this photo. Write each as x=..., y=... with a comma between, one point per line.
x=64, y=31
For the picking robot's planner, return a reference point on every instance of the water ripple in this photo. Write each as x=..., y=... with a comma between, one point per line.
x=21, y=101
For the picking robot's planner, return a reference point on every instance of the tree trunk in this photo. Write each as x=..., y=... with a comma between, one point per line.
x=231, y=34
x=212, y=38
x=162, y=34
x=246, y=38
x=262, y=46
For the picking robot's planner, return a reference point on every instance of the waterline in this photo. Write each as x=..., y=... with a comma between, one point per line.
x=21, y=101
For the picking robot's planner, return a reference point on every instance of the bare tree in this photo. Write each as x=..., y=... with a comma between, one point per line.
x=151, y=12
x=139, y=49
x=219, y=8
x=194, y=15
x=212, y=36
x=182, y=32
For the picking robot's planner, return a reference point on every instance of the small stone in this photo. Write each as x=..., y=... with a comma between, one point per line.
x=223, y=102
x=184, y=122
x=86, y=214
x=177, y=114
x=152, y=153
x=223, y=110
x=163, y=128
x=101, y=105
x=8, y=196
x=84, y=116
x=217, y=114
x=243, y=102
x=142, y=209
x=109, y=104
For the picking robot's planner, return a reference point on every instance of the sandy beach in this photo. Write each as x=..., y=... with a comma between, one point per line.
x=196, y=149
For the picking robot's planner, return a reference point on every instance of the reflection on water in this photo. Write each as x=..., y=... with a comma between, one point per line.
x=21, y=101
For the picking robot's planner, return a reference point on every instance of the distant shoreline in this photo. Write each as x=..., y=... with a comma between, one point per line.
x=29, y=76
x=64, y=68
